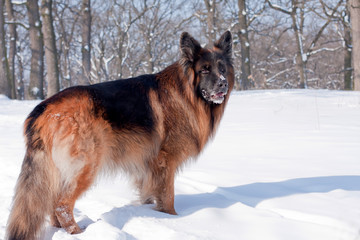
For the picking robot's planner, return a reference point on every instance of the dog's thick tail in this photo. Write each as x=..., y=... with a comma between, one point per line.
x=34, y=196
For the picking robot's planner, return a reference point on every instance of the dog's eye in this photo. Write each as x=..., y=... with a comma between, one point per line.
x=205, y=70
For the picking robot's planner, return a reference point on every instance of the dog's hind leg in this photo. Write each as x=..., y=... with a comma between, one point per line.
x=63, y=209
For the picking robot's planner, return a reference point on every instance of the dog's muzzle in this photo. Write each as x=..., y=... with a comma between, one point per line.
x=217, y=95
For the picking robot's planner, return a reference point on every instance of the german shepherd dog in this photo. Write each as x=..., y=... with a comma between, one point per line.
x=148, y=126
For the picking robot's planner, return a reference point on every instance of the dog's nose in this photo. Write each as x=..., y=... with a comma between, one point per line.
x=222, y=82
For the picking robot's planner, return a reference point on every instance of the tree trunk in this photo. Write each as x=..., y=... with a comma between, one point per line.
x=12, y=47
x=120, y=52
x=5, y=76
x=297, y=26
x=66, y=35
x=300, y=61
x=245, y=47
x=348, y=83
x=355, y=28
x=149, y=56
x=20, y=83
x=86, y=42
x=35, y=89
x=211, y=20
x=52, y=75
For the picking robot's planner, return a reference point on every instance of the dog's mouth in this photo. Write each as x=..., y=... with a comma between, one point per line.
x=213, y=96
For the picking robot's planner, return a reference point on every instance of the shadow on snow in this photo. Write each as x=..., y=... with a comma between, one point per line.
x=254, y=193
x=223, y=197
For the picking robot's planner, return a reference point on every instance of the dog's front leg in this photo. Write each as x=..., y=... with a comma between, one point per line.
x=163, y=174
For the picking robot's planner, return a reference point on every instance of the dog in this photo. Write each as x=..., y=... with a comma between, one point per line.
x=147, y=126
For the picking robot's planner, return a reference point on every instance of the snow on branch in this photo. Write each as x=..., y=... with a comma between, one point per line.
x=317, y=37
x=324, y=49
x=258, y=14
x=279, y=8
x=272, y=79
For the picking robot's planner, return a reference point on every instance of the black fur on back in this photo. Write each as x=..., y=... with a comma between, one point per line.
x=125, y=102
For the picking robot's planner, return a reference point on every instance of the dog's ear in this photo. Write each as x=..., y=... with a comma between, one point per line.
x=189, y=48
x=225, y=44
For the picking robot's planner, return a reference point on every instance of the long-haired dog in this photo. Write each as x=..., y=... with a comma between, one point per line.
x=148, y=126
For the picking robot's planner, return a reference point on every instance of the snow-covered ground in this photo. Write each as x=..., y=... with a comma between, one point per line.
x=284, y=165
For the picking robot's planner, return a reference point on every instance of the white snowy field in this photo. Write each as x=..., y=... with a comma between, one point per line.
x=284, y=165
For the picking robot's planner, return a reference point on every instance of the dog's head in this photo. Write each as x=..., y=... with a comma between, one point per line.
x=212, y=68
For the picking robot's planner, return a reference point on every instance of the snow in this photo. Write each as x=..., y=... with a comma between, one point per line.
x=20, y=2
x=35, y=91
x=283, y=165
x=304, y=57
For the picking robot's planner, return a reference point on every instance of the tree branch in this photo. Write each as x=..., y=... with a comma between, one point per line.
x=317, y=37
x=19, y=24
x=278, y=8
x=256, y=15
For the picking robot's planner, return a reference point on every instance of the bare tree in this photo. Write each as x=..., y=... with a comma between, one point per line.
x=86, y=41
x=158, y=27
x=355, y=28
x=292, y=47
x=297, y=14
x=341, y=15
x=5, y=76
x=347, y=39
x=12, y=45
x=239, y=17
x=245, y=47
x=123, y=25
x=211, y=20
x=18, y=29
x=52, y=75
x=35, y=89
x=113, y=40
x=66, y=28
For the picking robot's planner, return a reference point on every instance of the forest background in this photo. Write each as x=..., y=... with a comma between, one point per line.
x=49, y=45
